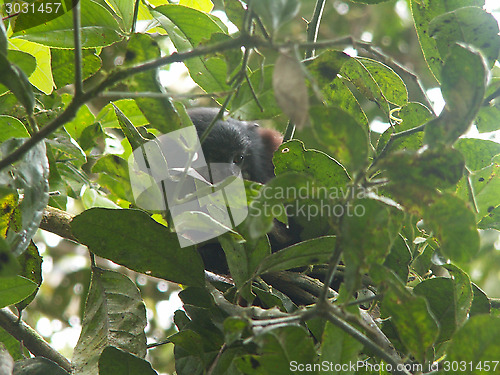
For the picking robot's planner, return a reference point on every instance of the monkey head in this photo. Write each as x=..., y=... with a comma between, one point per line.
x=241, y=144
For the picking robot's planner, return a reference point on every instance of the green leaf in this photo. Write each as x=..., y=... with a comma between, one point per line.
x=43, y=12
x=244, y=105
x=357, y=74
x=367, y=216
x=314, y=183
x=235, y=12
x=392, y=86
x=277, y=12
x=339, y=348
x=136, y=233
x=279, y=351
x=464, y=78
x=11, y=128
x=3, y=39
x=342, y=135
x=239, y=264
x=203, y=5
x=440, y=296
x=325, y=69
x=14, y=289
x=38, y=366
x=469, y=25
x=415, y=326
x=269, y=201
x=293, y=157
x=160, y=112
x=233, y=329
x=125, y=10
x=41, y=78
x=63, y=65
x=31, y=268
x=9, y=265
x=424, y=11
x=113, y=174
x=462, y=291
x=17, y=352
x=415, y=176
x=25, y=61
x=17, y=81
x=305, y=253
x=399, y=258
x=486, y=184
x=455, y=227
x=480, y=303
x=187, y=28
x=30, y=174
x=114, y=360
x=476, y=343
x=115, y=315
x=369, y=1
x=65, y=149
x=478, y=153
x=133, y=136
x=108, y=118
x=83, y=119
x=201, y=336
x=99, y=28
x=487, y=118
x=412, y=115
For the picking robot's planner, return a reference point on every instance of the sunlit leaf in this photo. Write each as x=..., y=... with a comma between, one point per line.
x=114, y=316
x=136, y=233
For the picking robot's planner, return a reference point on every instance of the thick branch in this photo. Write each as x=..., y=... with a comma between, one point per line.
x=31, y=339
x=57, y=222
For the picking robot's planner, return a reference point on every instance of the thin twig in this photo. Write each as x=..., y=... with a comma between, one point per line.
x=489, y=98
x=313, y=26
x=395, y=136
x=331, y=314
x=69, y=113
x=136, y=14
x=78, y=48
x=154, y=95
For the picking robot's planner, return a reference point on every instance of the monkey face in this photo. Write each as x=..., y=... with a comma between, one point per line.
x=235, y=143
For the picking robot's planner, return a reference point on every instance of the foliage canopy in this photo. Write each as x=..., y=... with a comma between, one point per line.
x=405, y=209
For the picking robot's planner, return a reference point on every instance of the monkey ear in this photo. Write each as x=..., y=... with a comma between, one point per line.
x=271, y=138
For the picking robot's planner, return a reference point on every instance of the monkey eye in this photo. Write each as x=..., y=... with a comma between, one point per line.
x=238, y=159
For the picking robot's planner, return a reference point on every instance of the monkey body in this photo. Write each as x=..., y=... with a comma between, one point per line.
x=250, y=148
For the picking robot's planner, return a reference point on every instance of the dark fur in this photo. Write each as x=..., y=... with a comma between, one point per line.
x=241, y=143
x=251, y=148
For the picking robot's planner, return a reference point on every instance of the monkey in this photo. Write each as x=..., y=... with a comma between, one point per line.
x=249, y=147
x=239, y=143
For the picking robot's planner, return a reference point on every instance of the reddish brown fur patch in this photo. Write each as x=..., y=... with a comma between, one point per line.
x=272, y=139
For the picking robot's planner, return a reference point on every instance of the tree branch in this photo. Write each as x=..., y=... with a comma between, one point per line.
x=70, y=112
x=58, y=222
x=31, y=339
x=77, y=38
x=331, y=313
x=313, y=26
